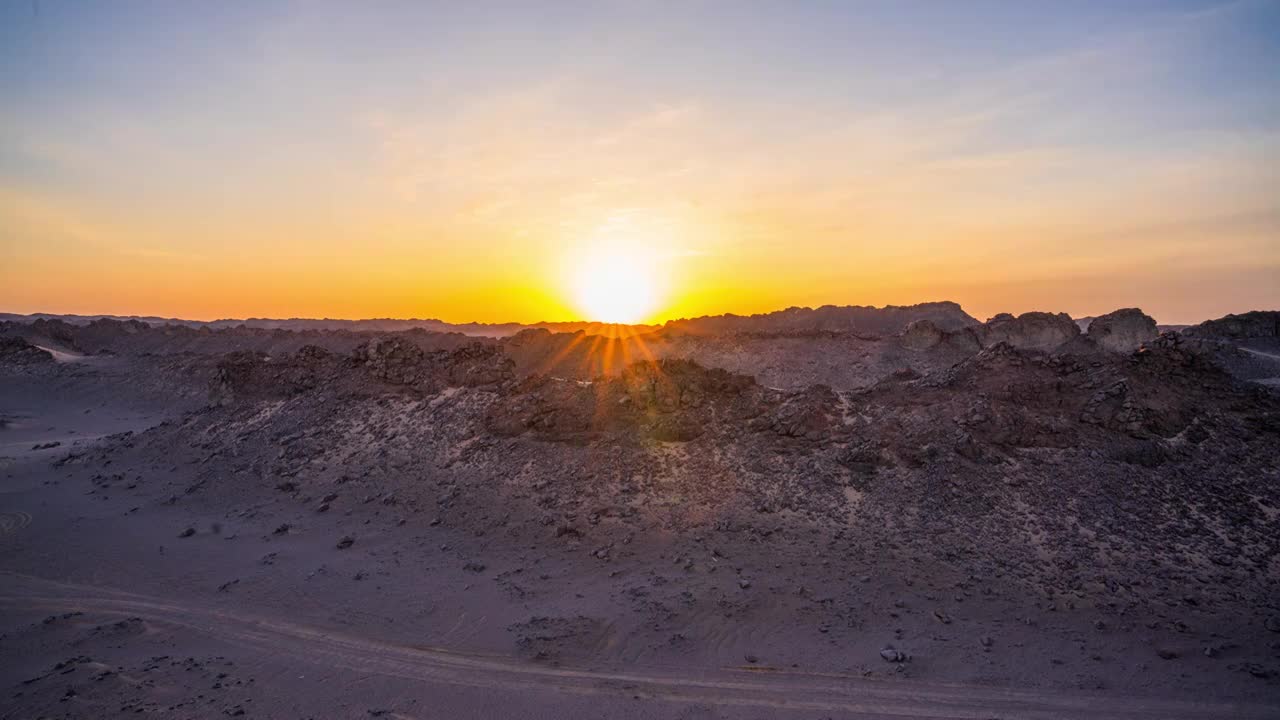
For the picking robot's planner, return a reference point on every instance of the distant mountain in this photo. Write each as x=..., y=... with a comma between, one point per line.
x=862, y=319
x=369, y=325
x=86, y=319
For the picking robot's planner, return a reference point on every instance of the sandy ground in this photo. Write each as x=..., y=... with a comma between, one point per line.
x=121, y=595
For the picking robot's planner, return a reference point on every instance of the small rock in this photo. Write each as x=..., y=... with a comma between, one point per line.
x=187, y=533
x=1257, y=671
x=346, y=542
x=892, y=655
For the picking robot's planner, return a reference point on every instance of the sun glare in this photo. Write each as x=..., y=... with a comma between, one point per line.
x=616, y=284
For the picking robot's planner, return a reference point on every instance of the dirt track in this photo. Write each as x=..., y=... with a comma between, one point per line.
x=759, y=686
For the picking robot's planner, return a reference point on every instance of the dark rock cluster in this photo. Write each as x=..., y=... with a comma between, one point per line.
x=17, y=351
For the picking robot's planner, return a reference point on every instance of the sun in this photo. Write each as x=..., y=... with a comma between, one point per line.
x=616, y=283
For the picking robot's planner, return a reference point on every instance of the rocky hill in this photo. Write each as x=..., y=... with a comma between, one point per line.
x=1259, y=324
x=1141, y=475
x=798, y=352
x=866, y=320
x=1009, y=504
x=1247, y=345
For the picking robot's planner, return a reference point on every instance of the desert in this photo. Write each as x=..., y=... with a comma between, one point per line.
x=640, y=359
x=1011, y=518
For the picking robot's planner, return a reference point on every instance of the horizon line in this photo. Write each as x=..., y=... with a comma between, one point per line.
x=5, y=315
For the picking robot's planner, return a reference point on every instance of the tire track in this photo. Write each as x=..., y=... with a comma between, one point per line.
x=12, y=522
x=760, y=688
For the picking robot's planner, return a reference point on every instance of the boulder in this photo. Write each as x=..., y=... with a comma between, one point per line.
x=1031, y=331
x=921, y=335
x=1123, y=330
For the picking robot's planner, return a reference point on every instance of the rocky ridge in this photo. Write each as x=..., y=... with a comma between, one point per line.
x=958, y=503
x=1006, y=423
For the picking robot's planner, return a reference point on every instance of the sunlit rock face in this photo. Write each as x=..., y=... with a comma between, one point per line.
x=1124, y=330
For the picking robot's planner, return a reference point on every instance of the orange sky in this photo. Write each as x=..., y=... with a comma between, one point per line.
x=324, y=163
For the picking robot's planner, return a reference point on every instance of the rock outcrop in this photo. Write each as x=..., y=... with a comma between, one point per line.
x=1031, y=330
x=1123, y=330
x=246, y=375
x=1256, y=324
x=667, y=400
x=925, y=335
x=888, y=320
x=1246, y=345
x=392, y=360
x=17, y=351
x=921, y=335
x=385, y=365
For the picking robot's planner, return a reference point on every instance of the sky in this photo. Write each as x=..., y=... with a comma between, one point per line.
x=460, y=160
